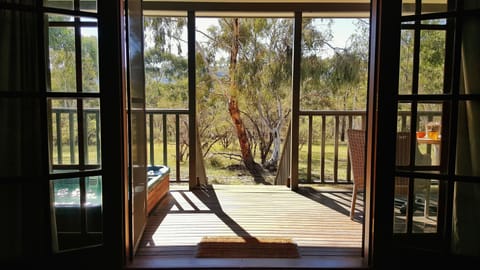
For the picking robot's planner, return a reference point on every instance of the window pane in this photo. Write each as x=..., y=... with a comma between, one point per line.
x=63, y=132
x=404, y=116
x=66, y=203
x=428, y=134
x=435, y=21
x=76, y=212
x=88, y=5
x=431, y=62
x=68, y=132
x=85, y=5
x=53, y=17
x=425, y=205
x=65, y=4
x=89, y=40
x=94, y=203
x=400, y=205
x=425, y=210
x=406, y=62
x=434, y=6
x=92, y=132
x=62, y=59
x=408, y=7
x=468, y=139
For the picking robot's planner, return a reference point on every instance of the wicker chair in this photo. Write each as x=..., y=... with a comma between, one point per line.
x=356, y=148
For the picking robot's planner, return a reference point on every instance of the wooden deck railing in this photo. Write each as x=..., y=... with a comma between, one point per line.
x=329, y=131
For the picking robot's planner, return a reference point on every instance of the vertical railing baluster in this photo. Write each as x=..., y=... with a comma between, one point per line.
x=165, y=145
x=71, y=132
x=322, y=157
x=335, y=150
x=151, y=140
x=58, y=120
x=85, y=137
x=349, y=166
x=97, y=136
x=177, y=145
x=309, y=154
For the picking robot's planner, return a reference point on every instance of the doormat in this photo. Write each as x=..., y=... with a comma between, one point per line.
x=246, y=247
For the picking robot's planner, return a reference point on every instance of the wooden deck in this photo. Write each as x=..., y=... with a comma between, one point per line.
x=316, y=218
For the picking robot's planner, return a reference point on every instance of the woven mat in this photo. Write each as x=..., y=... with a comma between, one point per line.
x=246, y=247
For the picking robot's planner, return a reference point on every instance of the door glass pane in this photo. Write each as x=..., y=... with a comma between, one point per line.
x=434, y=6
x=88, y=5
x=61, y=56
x=468, y=138
x=63, y=135
x=85, y=5
x=425, y=206
x=431, y=62
x=402, y=147
x=66, y=212
x=429, y=133
x=404, y=116
x=76, y=212
x=406, y=62
x=89, y=41
x=65, y=4
x=67, y=132
x=400, y=205
x=441, y=21
x=408, y=7
x=94, y=203
x=92, y=132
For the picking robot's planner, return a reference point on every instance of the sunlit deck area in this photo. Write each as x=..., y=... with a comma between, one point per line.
x=316, y=218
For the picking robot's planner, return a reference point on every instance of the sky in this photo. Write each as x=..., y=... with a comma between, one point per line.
x=341, y=30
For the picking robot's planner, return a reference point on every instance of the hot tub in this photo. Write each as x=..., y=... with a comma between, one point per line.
x=158, y=178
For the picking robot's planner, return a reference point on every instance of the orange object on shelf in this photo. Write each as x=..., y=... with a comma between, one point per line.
x=420, y=134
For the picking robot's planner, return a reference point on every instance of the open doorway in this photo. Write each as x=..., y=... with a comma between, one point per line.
x=244, y=67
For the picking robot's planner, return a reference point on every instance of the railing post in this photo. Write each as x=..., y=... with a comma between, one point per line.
x=297, y=56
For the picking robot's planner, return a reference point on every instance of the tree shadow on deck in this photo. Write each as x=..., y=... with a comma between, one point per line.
x=179, y=202
x=338, y=200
